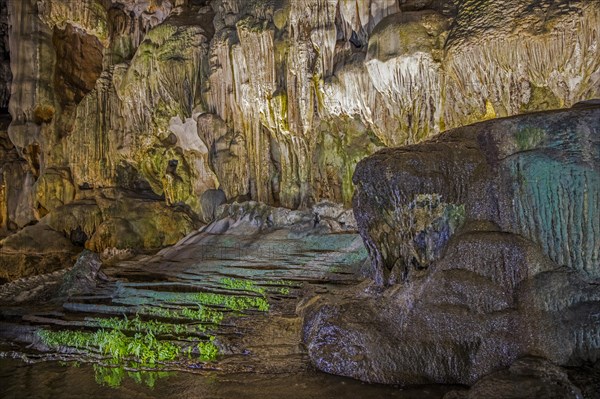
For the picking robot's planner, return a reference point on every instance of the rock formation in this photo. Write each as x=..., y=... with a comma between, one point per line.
x=83, y=277
x=275, y=101
x=211, y=200
x=536, y=175
x=484, y=243
x=120, y=121
x=527, y=378
x=35, y=250
x=5, y=73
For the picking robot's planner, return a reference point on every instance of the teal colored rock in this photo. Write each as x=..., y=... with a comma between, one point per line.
x=484, y=250
x=537, y=175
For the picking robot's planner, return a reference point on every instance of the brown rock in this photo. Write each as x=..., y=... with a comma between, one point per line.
x=35, y=250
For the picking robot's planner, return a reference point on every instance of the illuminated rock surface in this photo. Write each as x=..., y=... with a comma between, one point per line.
x=225, y=282
x=272, y=101
x=35, y=250
x=487, y=238
x=535, y=175
x=131, y=121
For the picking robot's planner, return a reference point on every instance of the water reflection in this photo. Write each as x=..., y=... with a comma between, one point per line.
x=51, y=380
x=113, y=376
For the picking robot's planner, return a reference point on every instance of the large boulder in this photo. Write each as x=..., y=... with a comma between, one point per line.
x=119, y=219
x=83, y=277
x=537, y=175
x=484, y=249
x=35, y=250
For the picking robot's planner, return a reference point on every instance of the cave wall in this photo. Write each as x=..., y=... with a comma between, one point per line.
x=272, y=100
x=5, y=74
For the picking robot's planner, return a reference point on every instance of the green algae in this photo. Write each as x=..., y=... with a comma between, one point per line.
x=139, y=347
x=529, y=137
x=245, y=285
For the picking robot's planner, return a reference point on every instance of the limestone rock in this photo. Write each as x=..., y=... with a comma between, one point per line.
x=493, y=298
x=5, y=73
x=229, y=155
x=211, y=200
x=533, y=175
x=87, y=15
x=16, y=185
x=83, y=277
x=526, y=378
x=352, y=65
x=79, y=58
x=485, y=237
x=35, y=250
x=122, y=220
x=254, y=217
x=115, y=118
x=403, y=62
x=32, y=82
x=54, y=188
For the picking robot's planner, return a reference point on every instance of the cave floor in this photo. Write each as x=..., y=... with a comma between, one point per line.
x=241, y=292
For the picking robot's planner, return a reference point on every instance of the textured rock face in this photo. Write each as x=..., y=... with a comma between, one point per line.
x=275, y=101
x=488, y=238
x=535, y=175
x=16, y=184
x=278, y=100
x=526, y=378
x=211, y=199
x=121, y=220
x=35, y=250
x=253, y=217
x=83, y=277
x=5, y=74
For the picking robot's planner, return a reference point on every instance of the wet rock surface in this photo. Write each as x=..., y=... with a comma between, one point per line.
x=534, y=175
x=513, y=205
x=526, y=378
x=240, y=287
x=83, y=277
